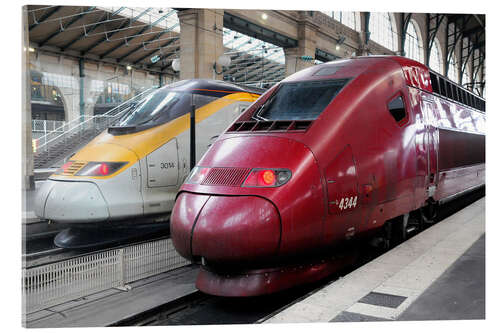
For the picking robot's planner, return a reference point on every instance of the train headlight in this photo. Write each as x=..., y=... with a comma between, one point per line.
x=267, y=177
x=100, y=169
x=197, y=175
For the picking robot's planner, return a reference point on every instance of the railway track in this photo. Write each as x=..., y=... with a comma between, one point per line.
x=55, y=254
x=38, y=240
x=202, y=309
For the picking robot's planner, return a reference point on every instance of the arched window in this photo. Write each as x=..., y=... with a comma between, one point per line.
x=436, y=58
x=382, y=30
x=466, y=79
x=452, y=69
x=413, y=47
x=350, y=19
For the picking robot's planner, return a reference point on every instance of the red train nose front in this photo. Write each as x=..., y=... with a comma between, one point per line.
x=225, y=228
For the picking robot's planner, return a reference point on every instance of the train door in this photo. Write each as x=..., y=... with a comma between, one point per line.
x=343, y=197
x=162, y=167
x=431, y=142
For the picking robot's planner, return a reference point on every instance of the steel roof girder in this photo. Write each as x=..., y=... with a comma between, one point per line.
x=76, y=18
x=44, y=17
x=158, y=35
x=157, y=50
x=102, y=40
x=137, y=35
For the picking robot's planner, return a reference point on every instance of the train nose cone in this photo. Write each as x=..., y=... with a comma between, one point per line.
x=184, y=215
x=71, y=201
x=226, y=229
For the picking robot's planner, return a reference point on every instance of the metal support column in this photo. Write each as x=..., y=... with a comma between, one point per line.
x=367, y=28
x=82, y=90
x=405, y=20
x=433, y=23
x=28, y=178
x=192, y=132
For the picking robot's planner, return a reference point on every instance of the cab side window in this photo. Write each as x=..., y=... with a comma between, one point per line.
x=397, y=109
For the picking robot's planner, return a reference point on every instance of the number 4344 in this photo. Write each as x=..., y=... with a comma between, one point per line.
x=349, y=202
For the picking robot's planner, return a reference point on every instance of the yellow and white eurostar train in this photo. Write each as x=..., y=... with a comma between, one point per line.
x=135, y=167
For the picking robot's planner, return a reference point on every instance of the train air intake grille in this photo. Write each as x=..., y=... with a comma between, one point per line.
x=271, y=126
x=226, y=176
x=73, y=168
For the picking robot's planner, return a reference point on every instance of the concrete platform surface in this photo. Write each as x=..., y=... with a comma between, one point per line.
x=433, y=270
x=458, y=294
x=110, y=306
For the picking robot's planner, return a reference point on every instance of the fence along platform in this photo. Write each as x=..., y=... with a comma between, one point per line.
x=56, y=283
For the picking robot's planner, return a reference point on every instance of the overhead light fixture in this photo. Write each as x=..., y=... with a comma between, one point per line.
x=340, y=41
x=129, y=67
x=31, y=49
x=264, y=16
x=224, y=61
x=176, y=64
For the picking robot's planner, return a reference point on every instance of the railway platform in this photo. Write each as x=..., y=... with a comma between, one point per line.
x=438, y=274
x=112, y=306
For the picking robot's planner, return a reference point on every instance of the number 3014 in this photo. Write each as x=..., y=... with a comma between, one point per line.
x=349, y=202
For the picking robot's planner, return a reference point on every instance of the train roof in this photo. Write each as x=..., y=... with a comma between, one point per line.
x=216, y=86
x=416, y=75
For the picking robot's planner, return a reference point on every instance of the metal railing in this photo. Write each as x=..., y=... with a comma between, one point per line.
x=46, y=126
x=79, y=126
x=60, y=282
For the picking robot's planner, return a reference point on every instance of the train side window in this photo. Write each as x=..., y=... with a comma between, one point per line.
x=442, y=87
x=397, y=109
x=448, y=89
x=434, y=83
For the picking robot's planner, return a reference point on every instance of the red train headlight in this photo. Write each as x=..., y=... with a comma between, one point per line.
x=100, y=168
x=267, y=177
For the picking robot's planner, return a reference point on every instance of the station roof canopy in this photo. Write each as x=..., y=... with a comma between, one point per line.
x=148, y=38
x=143, y=37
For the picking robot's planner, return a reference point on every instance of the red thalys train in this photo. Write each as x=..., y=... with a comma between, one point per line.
x=350, y=148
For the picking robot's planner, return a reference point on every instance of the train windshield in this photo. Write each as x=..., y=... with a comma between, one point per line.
x=300, y=100
x=160, y=107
